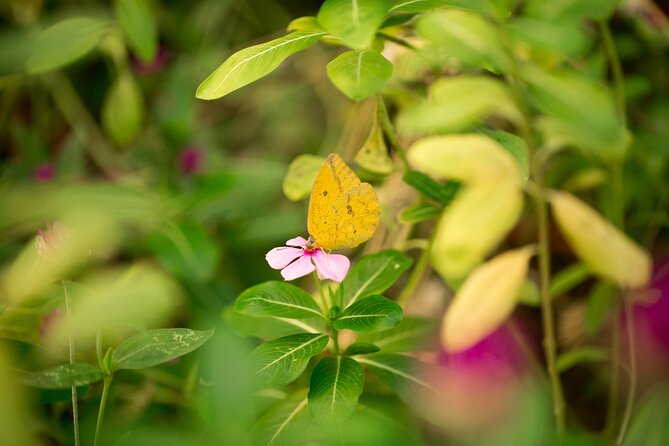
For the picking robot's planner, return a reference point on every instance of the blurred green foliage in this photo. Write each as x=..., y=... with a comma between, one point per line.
x=169, y=203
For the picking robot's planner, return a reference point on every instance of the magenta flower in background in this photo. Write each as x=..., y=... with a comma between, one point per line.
x=154, y=66
x=295, y=260
x=47, y=241
x=190, y=160
x=44, y=173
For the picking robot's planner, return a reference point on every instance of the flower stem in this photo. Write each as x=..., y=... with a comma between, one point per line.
x=618, y=217
x=70, y=340
x=549, y=342
x=324, y=302
x=628, y=311
x=416, y=274
x=103, y=404
x=389, y=131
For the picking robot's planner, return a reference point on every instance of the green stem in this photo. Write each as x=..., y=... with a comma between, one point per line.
x=397, y=40
x=70, y=341
x=628, y=309
x=616, y=68
x=618, y=217
x=334, y=334
x=549, y=342
x=389, y=130
x=324, y=302
x=416, y=274
x=612, y=406
x=103, y=405
x=98, y=349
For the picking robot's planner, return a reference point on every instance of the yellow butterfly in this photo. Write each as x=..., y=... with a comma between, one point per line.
x=343, y=211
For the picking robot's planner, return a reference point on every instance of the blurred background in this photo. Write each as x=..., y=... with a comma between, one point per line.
x=182, y=198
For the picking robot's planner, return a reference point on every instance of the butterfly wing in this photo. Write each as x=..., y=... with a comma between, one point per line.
x=342, y=209
x=357, y=214
x=334, y=179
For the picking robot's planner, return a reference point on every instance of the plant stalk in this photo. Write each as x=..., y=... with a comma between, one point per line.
x=70, y=341
x=618, y=218
x=416, y=274
x=389, y=131
x=549, y=341
x=324, y=302
x=103, y=404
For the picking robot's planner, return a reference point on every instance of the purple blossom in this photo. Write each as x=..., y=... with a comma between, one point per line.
x=297, y=260
x=190, y=160
x=44, y=173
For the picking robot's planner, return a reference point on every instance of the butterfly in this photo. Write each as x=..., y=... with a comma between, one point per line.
x=343, y=211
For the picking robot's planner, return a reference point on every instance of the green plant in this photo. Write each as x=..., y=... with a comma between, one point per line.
x=506, y=100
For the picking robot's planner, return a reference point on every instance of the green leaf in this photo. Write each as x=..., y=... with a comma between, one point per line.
x=65, y=42
x=529, y=294
x=607, y=251
x=373, y=155
x=299, y=179
x=373, y=313
x=474, y=159
x=580, y=112
x=419, y=212
x=468, y=37
x=485, y=7
x=270, y=327
x=276, y=298
x=335, y=386
x=410, y=335
x=473, y=225
x=16, y=44
x=282, y=360
x=139, y=27
x=561, y=38
x=573, y=10
x=252, y=63
x=359, y=74
x=355, y=22
x=186, y=250
x=123, y=110
x=430, y=188
x=650, y=425
x=306, y=23
x=568, y=278
x=153, y=347
x=374, y=274
x=580, y=355
x=457, y=103
x=281, y=423
x=397, y=372
x=517, y=147
x=63, y=376
x=361, y=348
x=600, y=301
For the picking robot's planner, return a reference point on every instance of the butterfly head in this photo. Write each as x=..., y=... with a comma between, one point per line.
x=311, y=244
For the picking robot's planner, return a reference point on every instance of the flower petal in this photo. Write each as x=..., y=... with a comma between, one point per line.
x=299, y=268
x=297, y=241
x=331, y=266
x=279, y=258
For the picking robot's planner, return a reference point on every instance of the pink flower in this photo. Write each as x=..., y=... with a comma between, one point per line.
x=297, y=260
x=47, y=241
x=44, y=173
x=190, y=160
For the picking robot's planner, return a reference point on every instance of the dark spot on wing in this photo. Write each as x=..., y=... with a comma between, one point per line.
x=325, y=193
x=349, y=209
